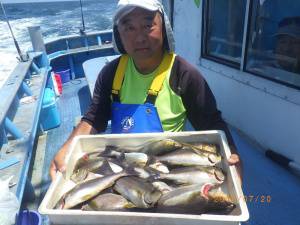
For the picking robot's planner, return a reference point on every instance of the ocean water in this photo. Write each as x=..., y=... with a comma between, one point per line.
x=55, y=19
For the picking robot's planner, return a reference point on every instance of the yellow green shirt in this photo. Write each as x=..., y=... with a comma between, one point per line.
x=169, y=105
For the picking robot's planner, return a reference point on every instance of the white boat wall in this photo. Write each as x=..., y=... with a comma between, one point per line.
x=266, y=111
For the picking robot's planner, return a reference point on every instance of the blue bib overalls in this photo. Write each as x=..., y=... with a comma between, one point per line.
x=138, y=118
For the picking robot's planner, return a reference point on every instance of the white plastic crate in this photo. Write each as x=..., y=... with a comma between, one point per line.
x=88, y=143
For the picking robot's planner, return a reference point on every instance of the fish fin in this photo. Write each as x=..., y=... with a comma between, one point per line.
x=106, y=168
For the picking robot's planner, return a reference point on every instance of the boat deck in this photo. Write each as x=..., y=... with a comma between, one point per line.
x=71, y=104
x=275, y=191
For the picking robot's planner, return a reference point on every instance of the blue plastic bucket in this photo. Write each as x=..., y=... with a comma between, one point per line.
x=50, y=117
x=65, y=75
x=29, y=217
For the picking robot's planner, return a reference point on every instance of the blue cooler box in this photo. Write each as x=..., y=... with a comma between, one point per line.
x=50, y=117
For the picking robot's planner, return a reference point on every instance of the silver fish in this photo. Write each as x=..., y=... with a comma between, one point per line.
x=158, y=147
x=82, y=175
x=108, y=201
x=89, y=164
x=132, y=158
x=143, y=172
x=196, y=199
x=88, y=157
x=218, y=201
x=188, y=157
x=181, y=196
x=152, y=147
x=194, y=175
x=159, y=166
x=141, y=193
x=101, y=167
x=162, y=186
x=136, y=158
x=202, y=147
x=88, y=189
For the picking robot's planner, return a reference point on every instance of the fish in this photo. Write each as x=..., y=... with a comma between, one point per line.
x=151, y=147
x=136, y=158
x=204, y=147
x=132, y=158
x=83, y=175
x=196, y=199
x=187, y=157
x=158, y=147
x=88, y=189
x=88, y=157
x=219, y=202
x=97, y=165
x=194, y=175
x=138, y=191
x=159, y=166
x=79, y=175
x=146, y=172
x=162, y=187
x=143, y=172
x=181, y=196
x=89, y=164
x=108, y=201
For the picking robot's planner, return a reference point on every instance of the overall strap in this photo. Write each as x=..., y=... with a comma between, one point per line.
x=163, y=69
x=118, y=80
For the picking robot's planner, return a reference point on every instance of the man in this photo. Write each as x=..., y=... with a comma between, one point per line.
x=149, y=88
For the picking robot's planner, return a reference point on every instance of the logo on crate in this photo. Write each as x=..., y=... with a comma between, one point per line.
x=127, y=123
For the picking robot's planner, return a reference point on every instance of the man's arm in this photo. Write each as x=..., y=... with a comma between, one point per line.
x=96, y=117
x=200, y=104
x=58, y=163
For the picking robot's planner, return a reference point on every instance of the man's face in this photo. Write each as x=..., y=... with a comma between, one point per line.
x=141, y=33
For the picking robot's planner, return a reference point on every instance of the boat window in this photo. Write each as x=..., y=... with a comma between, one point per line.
x=224, y=28
x=273, y=49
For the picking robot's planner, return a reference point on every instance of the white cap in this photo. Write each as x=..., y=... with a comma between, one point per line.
x=126, y=6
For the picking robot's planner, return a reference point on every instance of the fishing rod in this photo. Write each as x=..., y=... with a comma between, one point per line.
x=82, y=30
x=22, y=57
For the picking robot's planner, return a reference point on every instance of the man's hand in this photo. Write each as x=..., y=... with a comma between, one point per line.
x=57, y=164
x=235, y=160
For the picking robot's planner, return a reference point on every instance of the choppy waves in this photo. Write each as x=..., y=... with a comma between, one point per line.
x=55, y=19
